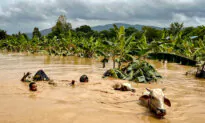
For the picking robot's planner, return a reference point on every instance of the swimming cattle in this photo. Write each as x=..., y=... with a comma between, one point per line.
x=123, y=87
x=155, y=99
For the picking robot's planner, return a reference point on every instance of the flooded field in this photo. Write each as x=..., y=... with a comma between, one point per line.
x=96, y=101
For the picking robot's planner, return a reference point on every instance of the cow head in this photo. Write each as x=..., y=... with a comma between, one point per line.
x=156, y=101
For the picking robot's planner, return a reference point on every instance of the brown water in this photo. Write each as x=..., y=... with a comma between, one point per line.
x=96, y=101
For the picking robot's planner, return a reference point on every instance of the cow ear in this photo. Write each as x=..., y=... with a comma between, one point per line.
x=167, y=102
x=144, y=97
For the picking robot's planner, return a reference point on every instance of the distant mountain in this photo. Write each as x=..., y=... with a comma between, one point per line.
x=29, y=35
x=108, y=26
x=100, y=28
x=46, y=31
x=43, y=32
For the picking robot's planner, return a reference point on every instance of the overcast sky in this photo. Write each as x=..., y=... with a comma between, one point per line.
x=24, y=15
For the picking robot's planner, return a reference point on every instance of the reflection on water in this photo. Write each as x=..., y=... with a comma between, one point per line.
x=94, y=101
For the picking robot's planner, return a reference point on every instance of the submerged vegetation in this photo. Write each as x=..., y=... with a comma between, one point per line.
x=118, y=44
x=138, y=71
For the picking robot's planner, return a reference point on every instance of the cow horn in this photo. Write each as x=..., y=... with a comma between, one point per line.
x=148, y=89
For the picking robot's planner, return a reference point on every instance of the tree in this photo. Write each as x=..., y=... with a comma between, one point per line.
x=36, y=33
x=84, y=31
x=104, y=34
x=84, y=28
x=112, y=33
x=151, y=33
x=108, y=34
x=88, y=46
x=130, y=30
x=124, y=44
x=175, y=28
x=188, y=31
x=25, y=36
x=3, y=34
x=61, y=27
x=120, y=46
x=199, y=31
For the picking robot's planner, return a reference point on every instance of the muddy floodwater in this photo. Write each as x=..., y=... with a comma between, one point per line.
x=96, y=101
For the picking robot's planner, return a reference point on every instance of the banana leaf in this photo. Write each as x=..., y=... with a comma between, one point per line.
x=138, y=71
x=141, y=79
x=130, y=76
x=120, y=74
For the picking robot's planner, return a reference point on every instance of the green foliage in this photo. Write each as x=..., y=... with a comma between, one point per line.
x=138, y=71
x=61, y=28
x=3, y=34
x=84, y=28
x=198, y=31
x=187, y=31
x=175, y=28
x=36, y=33
x=130, y=30
x=85, y=31
x=152, y=33
x=108, y=34
x=119, y=44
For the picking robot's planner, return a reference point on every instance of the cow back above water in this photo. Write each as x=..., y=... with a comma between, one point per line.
x=154, y=99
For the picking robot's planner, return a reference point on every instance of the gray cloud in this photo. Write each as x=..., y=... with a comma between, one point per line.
x=24, y=15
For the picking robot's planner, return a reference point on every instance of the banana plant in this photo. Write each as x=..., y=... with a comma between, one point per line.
x=121, y=46
x=199, y=52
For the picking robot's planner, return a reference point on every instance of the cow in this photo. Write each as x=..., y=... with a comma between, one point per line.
x=123, y=87
x=154, y=99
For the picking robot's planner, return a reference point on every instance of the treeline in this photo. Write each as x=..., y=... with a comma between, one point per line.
x=117, y=42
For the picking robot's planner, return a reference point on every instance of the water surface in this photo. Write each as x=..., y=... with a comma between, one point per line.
x=95, y=101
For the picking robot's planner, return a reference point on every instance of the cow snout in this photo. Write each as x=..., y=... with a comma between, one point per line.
x=161, y=112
